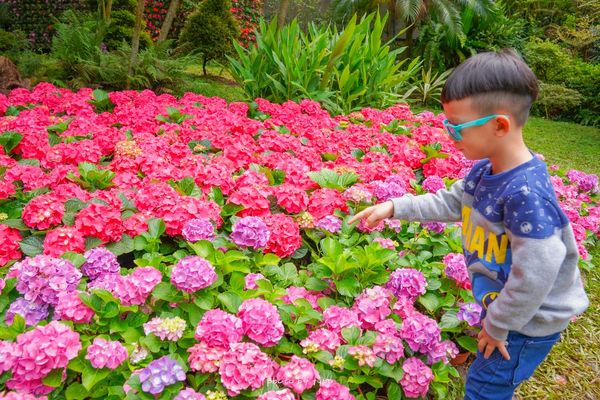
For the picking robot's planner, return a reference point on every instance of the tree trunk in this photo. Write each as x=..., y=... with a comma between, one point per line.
x=393, y=15
x=168, y=22
x=137, y=30
x=282, y=13
x=105, y=9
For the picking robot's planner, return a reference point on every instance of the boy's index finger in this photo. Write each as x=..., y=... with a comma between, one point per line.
x=356, y=217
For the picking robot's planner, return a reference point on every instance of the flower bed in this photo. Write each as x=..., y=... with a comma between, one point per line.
x=162, y=248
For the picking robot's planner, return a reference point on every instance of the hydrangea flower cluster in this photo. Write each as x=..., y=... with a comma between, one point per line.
x=38, y=352
x=218, y=328
x=321, y=339
x=31, y=312
x=456, y=269
x=336, y=318
x=166, y=328
x=389, y=347
x=585, y=182
x=299, y=374
x=250, y=281
x=407, y=283
x=435, y=227
x=329, y=389
x=198, y=229
x=284, y=238
x=386, y=243
x=363, y=354
x=9, y=244
x=284, y=394
x=99, y=262
x=159, y=374
x=132, y=289
x=193, y=273
x=42, y=278
x=103, y=353
x=250, y=232
x=443, y=351
x=205, y=359
x=261, y=322
x=417, y=377
x=470, y=312
x=330, y=223
x=245, y=366
x=420, y=332
x=189, y=394
x=372, y=306
x=71, y=308
x=433, y=183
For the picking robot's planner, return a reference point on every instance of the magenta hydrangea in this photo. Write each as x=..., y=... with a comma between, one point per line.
x=166, y=328
x=388, y=190
x=407, y=283
x=284, y=394
x=250, y=232
x=435, y=227
x=193, y=273
x=31, y=312
x=250, y=281
x=137, y=286
x=386, y=243
x=218, y=328
x=372, y=306
x=321, y=339
x=420, y=332
x=389, y=347
x=456, y=269
x=261, y=321
x=433, y=183
x=189, y=394
x=470, y=312
x=330, y=223
x=20, y=396
x=443, y=351
x=161, y=373
x=336, y=318
x=416, y=379
x=103, y=353
x=42, y=278
x=404, y=307
x=204, y=358
x=198, y=229
x=71, y=308
x=299, y=374
x=99, y=261
x=38, y=352
x=585, y=182
x=329, y=389
x=245, y=366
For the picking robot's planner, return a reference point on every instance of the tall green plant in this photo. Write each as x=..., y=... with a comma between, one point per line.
x=345, y=70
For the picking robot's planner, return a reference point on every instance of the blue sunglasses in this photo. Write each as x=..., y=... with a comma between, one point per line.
x=454, y=130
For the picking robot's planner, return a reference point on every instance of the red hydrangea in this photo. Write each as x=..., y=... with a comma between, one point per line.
x=285, y=237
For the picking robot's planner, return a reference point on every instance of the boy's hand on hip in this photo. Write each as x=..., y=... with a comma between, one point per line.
x=488, y=344
x=375, y=214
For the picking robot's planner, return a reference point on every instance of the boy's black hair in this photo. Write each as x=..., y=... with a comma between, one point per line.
x=494, y=80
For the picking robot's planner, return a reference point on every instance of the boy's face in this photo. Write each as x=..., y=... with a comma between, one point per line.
x=477, y=142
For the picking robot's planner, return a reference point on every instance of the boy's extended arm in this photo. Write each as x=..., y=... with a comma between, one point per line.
x=443, y=206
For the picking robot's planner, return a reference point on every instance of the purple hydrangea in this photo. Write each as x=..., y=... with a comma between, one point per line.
x=585, y=182
x=193, y=273
x=433, y=183
x=99, y=261
x=435, y=227
x=31, y=312
x=198, y=229
x=42, y=278
x=159, y=374
x=388, y=190
x=407, y=282
x=250, y=232
x=470, y=312
x=330, y=223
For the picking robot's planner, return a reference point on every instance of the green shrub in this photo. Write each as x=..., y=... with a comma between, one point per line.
x=555, y=100
x=122, y=21
x=428, y=87
x=210, y=31
x=12, y=43
x=547, y=59
x=343, y=70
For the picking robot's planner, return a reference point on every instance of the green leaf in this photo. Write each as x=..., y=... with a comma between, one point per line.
x=468, y=343
x=351, y=334
x=430, y=301
x=75, y=258
x=54, y=378
x=156, y=227
x=92, y=376
x=18, y=324
x=9, y=140
x=349, y=286
x=394, y=391
x=16, y=223
x=167, y=292
x=123, y=246
x=32, y=246
x=449, y=320
x=232, y=301
x=76, y=391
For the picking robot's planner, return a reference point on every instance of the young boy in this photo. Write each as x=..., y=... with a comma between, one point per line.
x=519, y=245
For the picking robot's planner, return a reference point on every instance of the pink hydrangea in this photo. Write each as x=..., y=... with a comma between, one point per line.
x=9, y=355
x=404, y=307
x=71, y=308
x=9, y=244
x=198, y=229
x=205, y=359
x=101, y=221
x=285, y=237
x=407, y=282
x=372, y=306
x=103, y=353
x=193, y=273
x=386, y=243
x=63, y=239
x=189, y=394
x=331, y=390
x=433, y=183
x=293, y=200
x=443, y=351
x=38, y=352
x=261, y=322
x=420, y=332
x=294, y=292
x=388, y=347
x=138, y=285
x=416, y=379
x=250, y=281
x=21, y=396
x=363, y=354
x=244, y=366
x=284, y=394
x=218, y=328
x=321, y=339
x=43, y=212
x=456, y=269
x=336, y=318
x=299, y=374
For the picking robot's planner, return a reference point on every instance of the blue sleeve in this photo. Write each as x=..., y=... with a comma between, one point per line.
x=531, y=215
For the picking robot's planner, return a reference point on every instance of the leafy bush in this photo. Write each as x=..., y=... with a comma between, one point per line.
x=210, y=31
x=429, y=86
x=555, y=99
x=122, y=21
x=344, y=70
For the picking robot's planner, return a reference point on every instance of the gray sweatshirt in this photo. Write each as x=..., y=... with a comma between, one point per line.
x=519, y=246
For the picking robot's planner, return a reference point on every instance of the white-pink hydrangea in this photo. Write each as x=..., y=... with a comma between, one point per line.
x=363, y=354
x=166, y=328
x=261, y=321
x=104, y=353
x=299, y=374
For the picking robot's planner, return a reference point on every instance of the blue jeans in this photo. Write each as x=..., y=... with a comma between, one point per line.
x=497, y=378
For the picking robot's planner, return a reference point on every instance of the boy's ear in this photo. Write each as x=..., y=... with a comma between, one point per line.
x=502, y=125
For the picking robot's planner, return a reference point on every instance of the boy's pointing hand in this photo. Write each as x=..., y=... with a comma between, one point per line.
x=375, y=214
